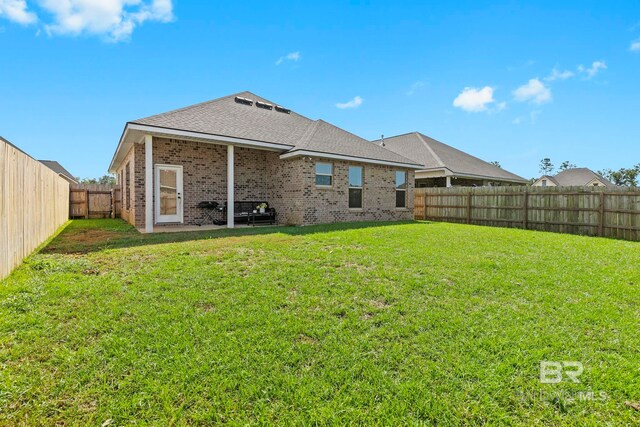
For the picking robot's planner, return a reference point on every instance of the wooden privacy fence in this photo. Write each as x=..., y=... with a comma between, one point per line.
x=34, y=203
x=575, y=210
x=94, y=201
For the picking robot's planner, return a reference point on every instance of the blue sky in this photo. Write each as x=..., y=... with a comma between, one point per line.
x=476, y=75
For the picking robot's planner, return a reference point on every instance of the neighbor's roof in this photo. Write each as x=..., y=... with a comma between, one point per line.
x=579, y=177
x=434, y=154
x=58, y=168
x=295, y=134
x=550, y=178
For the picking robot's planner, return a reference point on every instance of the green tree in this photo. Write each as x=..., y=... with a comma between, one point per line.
x=104, y=179
x=567, y=165
x=546, y=167
x=626, y=177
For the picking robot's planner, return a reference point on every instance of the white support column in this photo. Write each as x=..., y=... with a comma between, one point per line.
x=230, y=186
x=448, y=181
x=148, y=183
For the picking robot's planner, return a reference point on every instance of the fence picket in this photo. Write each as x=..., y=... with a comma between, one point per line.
x=575, y=210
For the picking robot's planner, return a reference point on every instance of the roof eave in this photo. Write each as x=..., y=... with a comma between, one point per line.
x=475, y=176
x=187, y=134
x=310, y=153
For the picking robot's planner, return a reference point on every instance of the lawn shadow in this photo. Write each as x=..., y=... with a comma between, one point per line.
x=86, y=235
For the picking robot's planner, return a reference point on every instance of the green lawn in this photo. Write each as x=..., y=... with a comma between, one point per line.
x=373, y=324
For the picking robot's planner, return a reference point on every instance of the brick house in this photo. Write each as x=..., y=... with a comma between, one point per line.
x=245, y=148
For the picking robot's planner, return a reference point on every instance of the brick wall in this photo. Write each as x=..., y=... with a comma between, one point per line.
x=128, y=211
x=327, y=205
x=288, y=185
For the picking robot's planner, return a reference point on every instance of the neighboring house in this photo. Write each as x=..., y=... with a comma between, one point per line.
x=245, y=148
x=445, y=166
x=577, y=177
x=57, y=168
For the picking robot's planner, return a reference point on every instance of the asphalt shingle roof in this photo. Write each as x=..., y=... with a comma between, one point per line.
x=57, y=168
x=435, y=154
x=226, y=117
x=579, y=177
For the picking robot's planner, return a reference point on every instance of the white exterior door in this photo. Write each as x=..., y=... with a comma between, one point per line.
x=168, y=194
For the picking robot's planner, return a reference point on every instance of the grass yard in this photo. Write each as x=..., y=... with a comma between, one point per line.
x=374, y=324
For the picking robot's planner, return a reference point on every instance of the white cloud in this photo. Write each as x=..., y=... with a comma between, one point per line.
x=559, y=75
x=16, y=11
x=354, y=103
x=114, y=19
x=534, y=91
x=293, y=56
x=635, y=46
x=415, y=88
x=474, y=100
x=594, y=69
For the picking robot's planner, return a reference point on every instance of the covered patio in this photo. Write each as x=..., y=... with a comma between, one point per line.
x=203, y=170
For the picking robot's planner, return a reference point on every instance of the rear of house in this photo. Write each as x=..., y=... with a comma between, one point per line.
x=244, y=148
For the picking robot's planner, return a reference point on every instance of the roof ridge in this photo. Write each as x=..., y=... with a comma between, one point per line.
x=467, y=154
x=211, y=101
x=344, y=130
x=433, y=153
x=308, y=134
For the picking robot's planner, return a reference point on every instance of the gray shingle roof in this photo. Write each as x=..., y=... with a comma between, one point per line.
x=579, y=177
x=226, y=117
x=58, y=168
x=434, y=154
x=324, y=137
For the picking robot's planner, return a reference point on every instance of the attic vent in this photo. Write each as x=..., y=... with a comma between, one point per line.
x=245, y=101
x=264, y=105
x=283, y=110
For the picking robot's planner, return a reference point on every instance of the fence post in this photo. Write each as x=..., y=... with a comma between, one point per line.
x=469, y=207
x=86, y=200
x=601, y=215
x=525, y=206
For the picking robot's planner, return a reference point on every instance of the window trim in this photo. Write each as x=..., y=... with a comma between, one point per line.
x=404, y=190
x=361, y=188
x=330, y=175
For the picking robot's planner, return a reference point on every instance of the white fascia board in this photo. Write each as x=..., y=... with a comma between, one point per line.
x=300, y=153
x=215, y=139
x=449, y=172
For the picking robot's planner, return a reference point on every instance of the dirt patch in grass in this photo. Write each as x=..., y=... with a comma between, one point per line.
x=81, y=240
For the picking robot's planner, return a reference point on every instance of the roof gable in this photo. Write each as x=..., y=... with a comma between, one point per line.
x=580, y=177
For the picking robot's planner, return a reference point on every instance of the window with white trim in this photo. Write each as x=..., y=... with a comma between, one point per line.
x=401, y=189
x=324, y=174
x=355, y=187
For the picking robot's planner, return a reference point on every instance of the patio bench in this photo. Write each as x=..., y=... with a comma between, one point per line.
x=243, y=213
